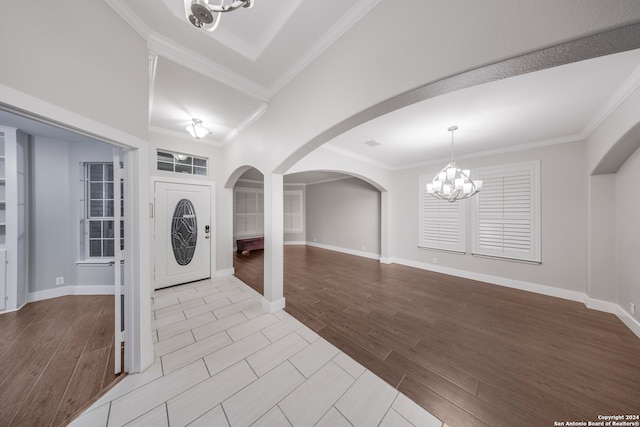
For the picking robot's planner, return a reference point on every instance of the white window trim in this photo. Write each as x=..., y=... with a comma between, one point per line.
x=87, y=217
x=458, y=208
x=296, y=197
x=533, y=169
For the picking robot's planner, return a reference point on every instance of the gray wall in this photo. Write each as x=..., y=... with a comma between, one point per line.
x=344, y=214
x=55, y=213
x=563, y=220
x=627, y=207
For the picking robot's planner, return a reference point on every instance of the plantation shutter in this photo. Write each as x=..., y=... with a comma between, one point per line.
x=293, y=212
x=441, y=223
x=506, y=212
x=260, y=212
x=249, y=211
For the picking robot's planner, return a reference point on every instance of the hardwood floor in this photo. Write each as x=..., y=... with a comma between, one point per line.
x=56, y=356
x=471, y=353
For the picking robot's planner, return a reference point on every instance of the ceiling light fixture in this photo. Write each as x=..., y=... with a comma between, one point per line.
x=197, y=130
x=206, y=16
x=452, y=183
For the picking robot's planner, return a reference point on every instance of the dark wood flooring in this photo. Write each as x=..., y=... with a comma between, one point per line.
x=56, y=357
x=471, y=353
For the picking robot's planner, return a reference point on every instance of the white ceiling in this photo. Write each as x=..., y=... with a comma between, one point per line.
x=555, y=105
x=255, y=52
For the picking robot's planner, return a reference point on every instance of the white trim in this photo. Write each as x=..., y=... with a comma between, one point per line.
x=627, y=319
x=272, y=307
x=345, y=250
x=226, y=272
x=70, y=290
x=137, y=239
x=346, y=22
x=259, y=112
x=385, y=260
x=590, y=303
x=631, y=83
x=295, y=243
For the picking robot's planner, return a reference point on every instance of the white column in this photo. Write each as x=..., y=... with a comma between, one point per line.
x=384, y=228
x=273, y=299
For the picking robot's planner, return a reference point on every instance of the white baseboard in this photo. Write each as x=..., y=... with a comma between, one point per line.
x=385, y=260
x=344, y=250
x=295, y=242
x=272, y=307
x=594, y=304
x=225, y=272
x=628, y=320
x=69, y=290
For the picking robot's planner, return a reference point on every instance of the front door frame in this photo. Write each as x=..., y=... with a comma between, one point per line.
x=152, y=218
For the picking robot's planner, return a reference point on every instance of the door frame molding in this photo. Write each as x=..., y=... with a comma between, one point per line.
x=152, y=218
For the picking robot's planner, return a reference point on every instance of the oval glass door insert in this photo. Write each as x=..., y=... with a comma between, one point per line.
x=184, y=232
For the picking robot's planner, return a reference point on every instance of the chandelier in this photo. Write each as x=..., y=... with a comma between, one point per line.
x=196, y=129
x=206, y=16
x=452, y=183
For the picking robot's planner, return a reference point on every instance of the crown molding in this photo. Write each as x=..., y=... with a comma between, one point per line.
x=130, y=17
x=628, y=86
x=186, y=57
x=259, y=112
x=511, y=149
x=183, y=55
x=355, y=14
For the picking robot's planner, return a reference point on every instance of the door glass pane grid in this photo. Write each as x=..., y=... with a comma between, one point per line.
x=101, y=238
x=181, y=163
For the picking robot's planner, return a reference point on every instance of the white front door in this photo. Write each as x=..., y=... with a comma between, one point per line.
x=182, y=233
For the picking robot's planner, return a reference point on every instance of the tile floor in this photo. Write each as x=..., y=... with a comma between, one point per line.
x=222, y=361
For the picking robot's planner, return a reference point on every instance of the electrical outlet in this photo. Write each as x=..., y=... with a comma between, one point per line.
x=633, y=309
x=59, y=280
x=435, y=260
x=363, y=247
x=315, y=240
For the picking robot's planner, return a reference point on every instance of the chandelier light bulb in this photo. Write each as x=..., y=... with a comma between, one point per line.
x=206, y=16
x=453, y=183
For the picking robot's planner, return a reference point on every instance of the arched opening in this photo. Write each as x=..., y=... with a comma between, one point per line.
x=248, y=227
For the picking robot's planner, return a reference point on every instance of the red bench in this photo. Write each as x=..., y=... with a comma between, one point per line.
x=244, y=246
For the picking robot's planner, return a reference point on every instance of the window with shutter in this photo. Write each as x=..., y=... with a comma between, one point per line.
x=440, y=223
x=249, y=211
x=293, y=212
x=506, y=212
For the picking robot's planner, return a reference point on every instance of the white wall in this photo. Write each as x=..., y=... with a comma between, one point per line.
x=344, y=214
x=563, y=221
x=627, y=233
x=94, y=67
x=602, y=237
x=367, y=66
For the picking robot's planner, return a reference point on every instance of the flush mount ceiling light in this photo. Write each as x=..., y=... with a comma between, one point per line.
x=206, y=16
x=196, y=129
x=452, y=183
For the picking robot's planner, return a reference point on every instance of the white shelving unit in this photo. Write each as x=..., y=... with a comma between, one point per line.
x=13, y=218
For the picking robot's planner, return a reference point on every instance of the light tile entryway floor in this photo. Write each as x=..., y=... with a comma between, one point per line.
x=222, y=361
